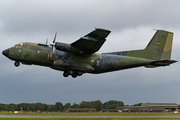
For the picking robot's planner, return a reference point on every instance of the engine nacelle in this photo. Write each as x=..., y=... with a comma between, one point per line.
x=67, y=48
x=63, y=47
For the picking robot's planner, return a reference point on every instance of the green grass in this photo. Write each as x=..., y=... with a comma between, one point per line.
x=89, y=119
x=57, y=113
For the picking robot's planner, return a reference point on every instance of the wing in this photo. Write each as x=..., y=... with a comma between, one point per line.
x=91, y=42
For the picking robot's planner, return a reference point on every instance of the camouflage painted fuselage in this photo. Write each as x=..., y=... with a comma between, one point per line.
x=38, y=54
x=157, y=53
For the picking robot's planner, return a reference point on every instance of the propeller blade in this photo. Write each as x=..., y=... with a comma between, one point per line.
x=55, y=37
x=47, y=41
x=53, y=50
x=53, y=46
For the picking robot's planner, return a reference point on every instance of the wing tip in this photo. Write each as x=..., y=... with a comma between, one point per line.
x=101, y=29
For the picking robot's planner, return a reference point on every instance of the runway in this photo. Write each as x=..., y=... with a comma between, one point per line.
x=90, y=116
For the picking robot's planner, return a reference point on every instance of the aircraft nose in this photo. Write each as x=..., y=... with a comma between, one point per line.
x=6, y=52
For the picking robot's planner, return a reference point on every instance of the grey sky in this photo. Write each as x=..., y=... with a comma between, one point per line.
x=131, y=23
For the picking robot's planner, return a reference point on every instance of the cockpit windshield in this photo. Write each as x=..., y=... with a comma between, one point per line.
x=19, y=45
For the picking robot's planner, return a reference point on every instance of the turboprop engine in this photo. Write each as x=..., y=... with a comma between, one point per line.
x=63, y=47
x=67, y=48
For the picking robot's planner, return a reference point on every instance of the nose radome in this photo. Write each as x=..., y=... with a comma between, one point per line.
x=6, y=52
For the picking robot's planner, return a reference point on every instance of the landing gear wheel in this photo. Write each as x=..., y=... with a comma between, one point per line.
x=74, y=75
x=16, y=64
x=79, y=73
x=65, y=74
x=70, y=72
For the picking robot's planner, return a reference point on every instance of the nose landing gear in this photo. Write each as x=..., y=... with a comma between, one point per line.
x=17, y=63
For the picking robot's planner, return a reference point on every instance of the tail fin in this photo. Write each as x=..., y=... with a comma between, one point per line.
x=160, y=46
x=158, y=50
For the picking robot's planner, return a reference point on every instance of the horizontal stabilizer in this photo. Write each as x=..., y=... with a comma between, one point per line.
x=164, y=62
x=160, y=63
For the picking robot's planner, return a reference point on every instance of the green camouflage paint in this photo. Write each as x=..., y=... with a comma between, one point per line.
x=79, y=57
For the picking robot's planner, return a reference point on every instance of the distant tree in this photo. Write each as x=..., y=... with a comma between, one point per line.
x=39, y=106
x=111, y=107
x=51, y=108
x=75, y=105
x=2, y=107
x=14, y=107
x=85, y=104
x=26, y=106
x=6, y=107
x=32, y=107
x=58, y=106
x=67, y=105
x=46, y=107
x=11, y=107
x=98, y=105
x=112, y=104
x=90, y=104
x=119, y=103
x=138, y=104
x=19, y=106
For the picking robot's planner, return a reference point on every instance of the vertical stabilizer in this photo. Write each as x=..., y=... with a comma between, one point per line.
x=160, y=46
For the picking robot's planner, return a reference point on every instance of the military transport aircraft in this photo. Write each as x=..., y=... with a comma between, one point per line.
x=79, y=57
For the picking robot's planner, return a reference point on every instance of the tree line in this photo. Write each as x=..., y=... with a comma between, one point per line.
x=58, y=106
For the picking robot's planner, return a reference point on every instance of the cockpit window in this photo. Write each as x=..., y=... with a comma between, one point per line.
x=19, y=45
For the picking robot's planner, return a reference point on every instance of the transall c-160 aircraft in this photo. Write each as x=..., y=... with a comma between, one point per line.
x=79, y=57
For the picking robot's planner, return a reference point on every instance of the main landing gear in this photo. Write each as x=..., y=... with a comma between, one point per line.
x=73, y=73
x=17, y=63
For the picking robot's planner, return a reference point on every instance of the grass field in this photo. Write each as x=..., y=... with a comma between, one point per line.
x=89, y=119
x=116, y=113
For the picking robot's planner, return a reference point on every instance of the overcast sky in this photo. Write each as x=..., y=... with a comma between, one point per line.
x=131, y=23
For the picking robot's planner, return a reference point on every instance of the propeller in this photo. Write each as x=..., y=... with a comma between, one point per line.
x=53, y=45
x=55, y=37
x=47, y=41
